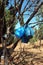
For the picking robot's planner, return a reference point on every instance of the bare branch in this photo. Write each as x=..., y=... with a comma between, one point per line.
x=20, y=4
x=26, y=4
x=15, y=3
x=33, y=14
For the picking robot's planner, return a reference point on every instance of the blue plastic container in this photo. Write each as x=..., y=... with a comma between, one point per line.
x=19, y=32
x=29, y=31
x=28, y=34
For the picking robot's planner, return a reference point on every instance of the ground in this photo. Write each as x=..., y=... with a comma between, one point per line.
x=28, y=54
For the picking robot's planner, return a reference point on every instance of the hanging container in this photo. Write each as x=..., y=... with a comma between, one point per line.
x=28, y=34
x=19, y=32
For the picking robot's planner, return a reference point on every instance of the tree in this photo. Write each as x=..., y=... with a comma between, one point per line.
x=16, y=12
x=40, y=18
x=40, y=26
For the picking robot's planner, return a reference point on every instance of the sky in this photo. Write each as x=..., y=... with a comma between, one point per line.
x=25, y=17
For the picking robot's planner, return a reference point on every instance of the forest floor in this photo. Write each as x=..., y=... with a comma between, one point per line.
x=28, y=54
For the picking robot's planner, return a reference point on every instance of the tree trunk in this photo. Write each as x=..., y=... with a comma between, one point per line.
x=1, y=19
x=1, y=29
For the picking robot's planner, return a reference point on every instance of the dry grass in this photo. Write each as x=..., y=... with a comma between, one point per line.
x=28, y=54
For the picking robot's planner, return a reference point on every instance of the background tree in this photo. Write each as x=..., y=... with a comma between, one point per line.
x=40, y=26
x=15, y=13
